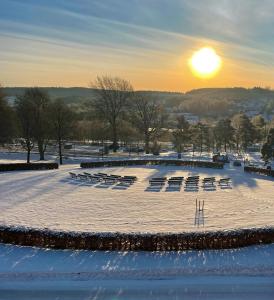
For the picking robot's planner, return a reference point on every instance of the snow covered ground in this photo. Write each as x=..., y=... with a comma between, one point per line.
x=70, y=158
x=50, y=199
x=30, y=273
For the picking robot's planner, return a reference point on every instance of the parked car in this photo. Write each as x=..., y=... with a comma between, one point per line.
x=237, y=163
x=220, y=158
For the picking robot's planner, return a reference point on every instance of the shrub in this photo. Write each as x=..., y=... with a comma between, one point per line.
x=136, y=241
x=133, y=162
x=261, y=171
x=25, y=166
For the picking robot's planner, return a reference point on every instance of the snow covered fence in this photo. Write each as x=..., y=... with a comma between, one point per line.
x=260, y=171
x=134, y=162
x=25, y=166
x=134, y=241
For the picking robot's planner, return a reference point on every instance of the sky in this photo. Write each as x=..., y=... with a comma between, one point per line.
x=148, y=42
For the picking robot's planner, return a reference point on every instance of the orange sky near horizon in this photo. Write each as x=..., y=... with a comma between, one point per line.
x=149, y=43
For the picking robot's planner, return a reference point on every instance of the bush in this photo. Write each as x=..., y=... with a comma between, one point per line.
x=261, y=171
x=133, y=162
x=136, y=241
x=25, y=166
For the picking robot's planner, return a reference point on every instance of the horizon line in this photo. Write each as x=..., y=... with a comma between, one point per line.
x=143, y=90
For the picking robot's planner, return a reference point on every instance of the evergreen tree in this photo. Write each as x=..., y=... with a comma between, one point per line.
x=270, y=136
x=267, y=152
x=260, y=128
x=245, y=133
x=7, y=119
x=223, y=132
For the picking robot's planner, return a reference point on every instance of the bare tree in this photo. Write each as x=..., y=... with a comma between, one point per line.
x=39, y=102
x=112, y=94
x=181, y=135
x=148, y=117
x=61, y=117
x=24, y=109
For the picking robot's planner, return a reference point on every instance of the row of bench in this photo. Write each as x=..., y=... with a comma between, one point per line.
x=189, y=181
x=103, y=178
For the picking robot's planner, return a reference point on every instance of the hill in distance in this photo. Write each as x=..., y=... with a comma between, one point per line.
x=203, y=102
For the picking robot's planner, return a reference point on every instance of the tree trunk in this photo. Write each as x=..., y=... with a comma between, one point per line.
x=41, y=150
x=28, y=156
x=42, y=155
x=237, y=146
x=60, y=151
x=147, y=143
x=115, y=142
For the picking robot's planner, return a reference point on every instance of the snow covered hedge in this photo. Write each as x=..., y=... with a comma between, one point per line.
x=136, y=241
x=25, y=166
x=134, y=162
x=259, y=171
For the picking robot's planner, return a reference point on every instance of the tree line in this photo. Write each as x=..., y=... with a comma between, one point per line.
x=35, y=118
x=118, y=114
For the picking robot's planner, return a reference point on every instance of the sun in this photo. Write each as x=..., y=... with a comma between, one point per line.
x=205, y=63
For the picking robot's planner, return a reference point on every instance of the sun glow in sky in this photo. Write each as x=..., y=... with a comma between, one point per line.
x=205, y=63
x=148, y=42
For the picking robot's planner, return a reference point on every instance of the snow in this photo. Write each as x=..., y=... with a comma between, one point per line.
x=85, y=154
x=50, y=199
x=33, y=273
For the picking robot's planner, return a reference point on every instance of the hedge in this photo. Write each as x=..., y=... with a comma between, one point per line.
x=134, y=162
x=25, y=166
x=136, y=241
x=259, y=171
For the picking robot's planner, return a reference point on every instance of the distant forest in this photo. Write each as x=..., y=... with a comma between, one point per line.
x=206, y=102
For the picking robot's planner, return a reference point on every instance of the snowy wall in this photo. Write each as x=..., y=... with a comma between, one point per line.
x=146, y=242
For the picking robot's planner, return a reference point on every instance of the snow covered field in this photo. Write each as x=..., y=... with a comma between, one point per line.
x=50, y=199
x=30, y=273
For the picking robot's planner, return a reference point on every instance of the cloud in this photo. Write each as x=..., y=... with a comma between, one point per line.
x=149, y=36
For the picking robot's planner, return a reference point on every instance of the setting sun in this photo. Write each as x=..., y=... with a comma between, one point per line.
x=205, y=63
